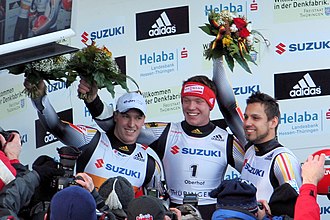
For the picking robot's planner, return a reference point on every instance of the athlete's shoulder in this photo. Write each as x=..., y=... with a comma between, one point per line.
x=81, y=128
x=156, y=124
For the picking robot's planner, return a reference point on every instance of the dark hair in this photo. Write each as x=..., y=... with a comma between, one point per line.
x=204, y=80
x=272, y=108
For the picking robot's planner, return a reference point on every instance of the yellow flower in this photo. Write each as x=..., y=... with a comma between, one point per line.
x=227, y=40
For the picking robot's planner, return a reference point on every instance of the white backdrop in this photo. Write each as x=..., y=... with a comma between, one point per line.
x=299, y=44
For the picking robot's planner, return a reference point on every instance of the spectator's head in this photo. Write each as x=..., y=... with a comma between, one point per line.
x=117, y=192
x=235, y=194
x=198, y=97
x=261, y=118
x=129, y=117
x=146, y=208
x=73, y=203
x=283, y=200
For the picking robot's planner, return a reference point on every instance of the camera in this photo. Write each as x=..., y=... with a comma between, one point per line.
x=68, y=157
x=155, y=193
x=7, y=135
x=260, y=206
x=190, y=198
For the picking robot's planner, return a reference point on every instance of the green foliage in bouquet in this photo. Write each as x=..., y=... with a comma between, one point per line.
x=53, y=68
x=96, y=64
x=90, y=63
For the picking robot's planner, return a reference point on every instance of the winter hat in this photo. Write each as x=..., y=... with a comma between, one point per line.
x=236, y=193
x=146, y=208
x=283, y=200
x=73, y=203
x=117, y=199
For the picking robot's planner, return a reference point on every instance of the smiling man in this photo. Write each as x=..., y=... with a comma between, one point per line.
x=267, y=164
x=195, y=152
x=110, y=154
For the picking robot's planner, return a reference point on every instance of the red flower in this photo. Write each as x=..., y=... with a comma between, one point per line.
x=240, y=23
x=244, y=33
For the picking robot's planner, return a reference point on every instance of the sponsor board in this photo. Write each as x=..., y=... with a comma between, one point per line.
x=164, y=101
x=162, y=62
x=304, y=122
x=302, y=47
x=232, y=7
x=298, y=10
x=115, y=28
x=246, y=90
x=161, y=23
x=302, y=84
x=12, y=101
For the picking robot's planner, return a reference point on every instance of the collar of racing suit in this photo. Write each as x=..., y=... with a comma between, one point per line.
x=118, y=145
x=266, y=147
x=197, y=131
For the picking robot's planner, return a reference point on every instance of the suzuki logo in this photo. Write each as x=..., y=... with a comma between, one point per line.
x=99, y=163
x=280, y=48
x=84, y=37
x=175, y=150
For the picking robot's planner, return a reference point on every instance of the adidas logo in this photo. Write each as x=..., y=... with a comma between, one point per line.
x=124, y=148
x=305, y=87
x=269, y=157
x=162, y=26
x=139, y=157
x=217, y=137
x=196, y=131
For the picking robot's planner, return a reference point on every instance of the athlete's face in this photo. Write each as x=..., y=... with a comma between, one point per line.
x=196, y=110
x=128, y=125
x=257, y=128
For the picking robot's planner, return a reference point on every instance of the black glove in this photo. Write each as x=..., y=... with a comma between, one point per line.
x=47, y=168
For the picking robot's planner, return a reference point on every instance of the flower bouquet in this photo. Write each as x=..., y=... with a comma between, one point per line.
x=53, y=68
x=233, y=39
x=96, y=64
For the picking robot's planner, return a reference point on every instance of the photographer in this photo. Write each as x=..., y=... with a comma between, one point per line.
x=18, y=193
x=11, y=147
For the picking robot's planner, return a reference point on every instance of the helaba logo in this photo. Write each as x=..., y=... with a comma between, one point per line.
x=302, y=84
x=163, y=56
x=303, y=46
x=299, y=117
x=103, y=33
x=231, y=7
x=156, y=57
x=163, y=22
